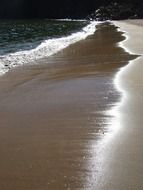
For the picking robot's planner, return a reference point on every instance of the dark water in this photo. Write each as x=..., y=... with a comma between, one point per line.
x=18, y=35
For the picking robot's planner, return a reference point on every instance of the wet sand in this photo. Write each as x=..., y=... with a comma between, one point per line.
x=53, y=115
x=128, y=146
x=122, y=166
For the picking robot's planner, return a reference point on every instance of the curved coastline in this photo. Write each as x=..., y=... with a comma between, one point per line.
x=62, y=117
x=56, y=111
x=121, y=81
x=119, y=78
x=106, y=146
x=121, y=165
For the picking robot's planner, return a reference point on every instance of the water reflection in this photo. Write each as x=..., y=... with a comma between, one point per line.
x=101, y=151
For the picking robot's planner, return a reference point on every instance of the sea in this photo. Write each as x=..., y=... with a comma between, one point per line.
x=26, y=41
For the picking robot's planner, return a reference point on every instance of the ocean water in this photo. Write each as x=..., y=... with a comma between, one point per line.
x=26, y=41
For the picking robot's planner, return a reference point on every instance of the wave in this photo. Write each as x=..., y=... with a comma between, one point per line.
x=45, y=49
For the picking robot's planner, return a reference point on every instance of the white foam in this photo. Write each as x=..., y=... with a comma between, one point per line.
x=45, y=49
x=68, y=19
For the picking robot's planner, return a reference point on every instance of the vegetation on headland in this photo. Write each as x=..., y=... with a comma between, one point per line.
x=96, y=9
x=114, y=11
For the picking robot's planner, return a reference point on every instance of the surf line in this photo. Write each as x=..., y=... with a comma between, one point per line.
x=45, y=49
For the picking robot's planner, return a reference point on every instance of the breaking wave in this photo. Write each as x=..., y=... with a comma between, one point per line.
x=45, y=49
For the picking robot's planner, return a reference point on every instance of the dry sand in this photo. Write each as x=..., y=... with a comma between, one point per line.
x=122, y=166
x=52, y=119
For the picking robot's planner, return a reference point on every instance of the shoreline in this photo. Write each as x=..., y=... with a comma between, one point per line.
x=47, y=47
x=121, y=168
x=52, y=116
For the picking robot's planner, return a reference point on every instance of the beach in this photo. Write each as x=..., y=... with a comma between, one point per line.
x=54, y=116
x=124, y=168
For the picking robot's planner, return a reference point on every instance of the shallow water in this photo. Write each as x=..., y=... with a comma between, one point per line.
x=18, y=35
x=25, y=42
x=54, y=114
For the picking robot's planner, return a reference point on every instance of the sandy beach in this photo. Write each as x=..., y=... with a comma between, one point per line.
x=54, y=115
x=122, y=166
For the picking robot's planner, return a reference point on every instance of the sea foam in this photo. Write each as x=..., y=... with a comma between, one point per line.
x=45, y=49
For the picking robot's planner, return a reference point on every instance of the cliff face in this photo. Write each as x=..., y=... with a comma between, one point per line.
x=56, y=8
